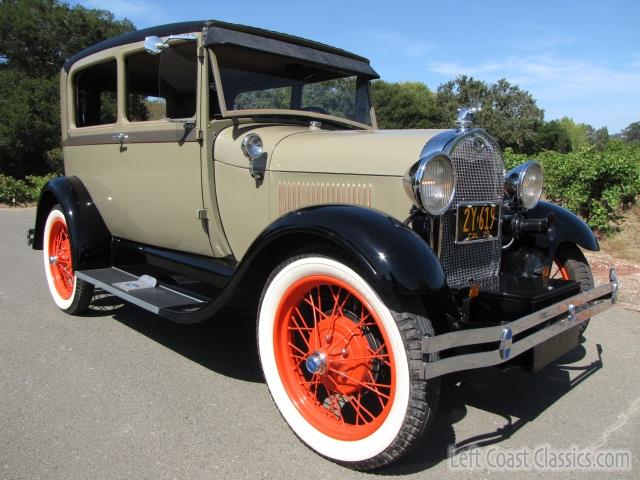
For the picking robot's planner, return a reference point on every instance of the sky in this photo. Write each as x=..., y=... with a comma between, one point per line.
x=577, y=58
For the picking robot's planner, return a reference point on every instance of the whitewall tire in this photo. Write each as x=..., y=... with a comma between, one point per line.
x=338, y=362
x=69, y=294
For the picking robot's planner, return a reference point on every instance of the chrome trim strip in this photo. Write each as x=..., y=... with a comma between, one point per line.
x=492, y=334
x=508, y=349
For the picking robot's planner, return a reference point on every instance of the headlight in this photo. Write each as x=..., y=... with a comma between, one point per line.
x=252, y=146
x=526, y=182
x=431, y=183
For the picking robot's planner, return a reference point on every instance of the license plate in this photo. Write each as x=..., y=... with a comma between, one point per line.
x=477, y=222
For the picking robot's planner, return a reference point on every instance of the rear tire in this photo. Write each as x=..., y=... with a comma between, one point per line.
x=70, y=294
x=571, y=264
x=341, y=365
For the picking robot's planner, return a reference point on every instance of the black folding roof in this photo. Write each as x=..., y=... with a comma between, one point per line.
x=223, y=33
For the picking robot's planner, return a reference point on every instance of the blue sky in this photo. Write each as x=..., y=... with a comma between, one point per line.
x=577, y=58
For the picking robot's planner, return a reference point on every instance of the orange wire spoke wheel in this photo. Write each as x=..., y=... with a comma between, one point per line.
x=60, y=259
x=334, y=357
x=559, y=271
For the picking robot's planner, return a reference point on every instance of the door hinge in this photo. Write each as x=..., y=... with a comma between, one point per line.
x=202, y=214
x=199, y=134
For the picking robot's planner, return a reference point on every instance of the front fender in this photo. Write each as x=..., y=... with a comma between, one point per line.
x=91, y=240
x=392, y=253
x=566, y=227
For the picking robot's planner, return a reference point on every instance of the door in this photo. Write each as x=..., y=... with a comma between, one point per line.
x=159, y=150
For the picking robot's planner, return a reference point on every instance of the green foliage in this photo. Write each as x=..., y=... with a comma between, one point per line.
x=552, y=136
x=36, y=36
x=14, y=191
x=595, y=183
x=55, y=161
x=30, y=122
x=579, y=133
x=508, y=113
x=631, y=133
x=407, y=105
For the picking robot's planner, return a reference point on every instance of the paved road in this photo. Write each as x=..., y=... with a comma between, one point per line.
x=120, y=393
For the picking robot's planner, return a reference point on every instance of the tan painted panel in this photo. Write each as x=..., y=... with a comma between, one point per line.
x=148, y=193
x=247, y=206
x=244, y=205
x=228, y=142
x=362, y=152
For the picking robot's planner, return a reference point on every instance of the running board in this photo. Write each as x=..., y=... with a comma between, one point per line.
x=154, y=299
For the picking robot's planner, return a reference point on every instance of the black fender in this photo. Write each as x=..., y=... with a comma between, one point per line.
x=390, y=251
x=397, y=258
x=91, y=240
x=566, y=227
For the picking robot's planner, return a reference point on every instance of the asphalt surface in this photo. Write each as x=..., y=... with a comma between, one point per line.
x=119, y=393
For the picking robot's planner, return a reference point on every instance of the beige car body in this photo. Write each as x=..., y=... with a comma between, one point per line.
x=192, y=191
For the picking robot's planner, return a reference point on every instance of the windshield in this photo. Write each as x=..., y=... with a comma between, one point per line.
x=254, y=80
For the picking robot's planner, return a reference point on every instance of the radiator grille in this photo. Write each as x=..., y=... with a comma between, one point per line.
x=480, y=171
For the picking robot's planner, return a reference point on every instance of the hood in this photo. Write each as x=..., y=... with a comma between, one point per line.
x=361, y=152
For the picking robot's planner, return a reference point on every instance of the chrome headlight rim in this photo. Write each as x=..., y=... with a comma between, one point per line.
x=413, y=180
x=252, y=146
x=515, y=179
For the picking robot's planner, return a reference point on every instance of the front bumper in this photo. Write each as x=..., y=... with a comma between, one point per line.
x=556, y=318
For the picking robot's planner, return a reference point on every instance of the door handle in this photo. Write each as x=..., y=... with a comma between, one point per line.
x=121, y=138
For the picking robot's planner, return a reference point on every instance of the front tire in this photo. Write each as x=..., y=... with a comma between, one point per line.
x=570, y=263
x=341, y=366
x=70, y=294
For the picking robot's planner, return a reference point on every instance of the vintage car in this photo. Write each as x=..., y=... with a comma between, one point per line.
x=215, y=166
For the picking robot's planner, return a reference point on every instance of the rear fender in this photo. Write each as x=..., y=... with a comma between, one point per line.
x=91, y=239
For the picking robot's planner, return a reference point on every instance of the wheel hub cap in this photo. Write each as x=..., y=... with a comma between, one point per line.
x=316, y=363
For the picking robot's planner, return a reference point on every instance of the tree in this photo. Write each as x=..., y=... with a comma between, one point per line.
x=406, y=105
x=599, y=138
x=631, y=133
x=36, y=36
x=508, y=113
x=552, y=136
x=579, y=133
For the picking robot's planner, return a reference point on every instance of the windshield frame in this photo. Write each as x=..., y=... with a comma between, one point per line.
x=226, y=113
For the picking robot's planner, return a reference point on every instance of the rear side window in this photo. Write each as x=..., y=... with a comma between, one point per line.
x=162, y=86
x=96, y=94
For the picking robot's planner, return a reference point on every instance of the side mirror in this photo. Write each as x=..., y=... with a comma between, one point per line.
x=155, y=45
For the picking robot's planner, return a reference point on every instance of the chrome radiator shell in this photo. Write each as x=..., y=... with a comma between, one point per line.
x=480, y=178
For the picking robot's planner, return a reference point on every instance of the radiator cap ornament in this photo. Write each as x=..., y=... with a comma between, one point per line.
x=465, y=117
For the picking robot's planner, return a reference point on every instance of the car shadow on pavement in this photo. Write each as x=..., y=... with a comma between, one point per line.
x=226, y=344
x=515, y=395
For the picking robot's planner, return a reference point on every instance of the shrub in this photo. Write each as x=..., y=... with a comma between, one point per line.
x=595, y=184
x=17, y=191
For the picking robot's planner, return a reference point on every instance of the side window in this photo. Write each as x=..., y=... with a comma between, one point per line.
x=162, y=86
x=95, y=94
